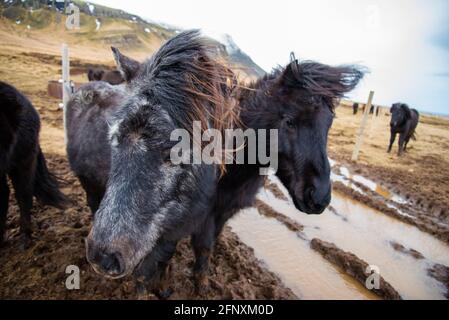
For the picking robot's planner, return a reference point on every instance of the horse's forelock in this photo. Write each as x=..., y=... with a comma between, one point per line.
x=185, y=79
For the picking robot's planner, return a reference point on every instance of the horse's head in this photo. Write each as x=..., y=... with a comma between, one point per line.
x=148, y=197
x=301, y=98
x=95, y=74
x=400, y=112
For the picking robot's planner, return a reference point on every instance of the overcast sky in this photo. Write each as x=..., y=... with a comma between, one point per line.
x=404, y=43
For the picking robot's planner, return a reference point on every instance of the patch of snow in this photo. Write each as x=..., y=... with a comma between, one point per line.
x=223, y=38
x=229, y=43
x=147, y=30
x=91, y=8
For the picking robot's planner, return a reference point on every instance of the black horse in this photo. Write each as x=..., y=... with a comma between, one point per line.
x=403, y=121
x=371, y=110
x=21, y=159
x=355, y=108
x=150, y=203
x=88, y=114
x=298, y=101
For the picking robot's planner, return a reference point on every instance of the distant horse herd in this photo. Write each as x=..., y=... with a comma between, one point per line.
x=118, y=144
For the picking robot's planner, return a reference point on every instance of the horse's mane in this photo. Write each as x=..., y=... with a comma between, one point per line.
x=190, y=83
x=328, y=82
x=186, y=79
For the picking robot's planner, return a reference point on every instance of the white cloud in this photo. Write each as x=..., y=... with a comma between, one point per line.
x=390, y=37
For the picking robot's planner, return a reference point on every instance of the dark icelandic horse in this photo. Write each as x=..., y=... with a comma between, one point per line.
x=22, y=160
x=355, y=108
x=403, y=121
x=113, y=77
x=298, y=101
x=371, y=110
x=149, y=203
x=88, y=116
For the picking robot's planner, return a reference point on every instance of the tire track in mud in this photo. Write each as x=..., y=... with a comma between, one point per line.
x=439, y=231
x=426, y=199
x=353, y=266
x=347, y=261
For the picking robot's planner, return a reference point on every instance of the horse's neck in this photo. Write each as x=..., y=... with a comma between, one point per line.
x=241, y=181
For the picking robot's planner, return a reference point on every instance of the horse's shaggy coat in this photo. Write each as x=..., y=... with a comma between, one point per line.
x=149, y=203
x=21, y=159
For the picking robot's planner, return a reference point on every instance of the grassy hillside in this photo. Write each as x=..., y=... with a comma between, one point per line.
x=34, y=26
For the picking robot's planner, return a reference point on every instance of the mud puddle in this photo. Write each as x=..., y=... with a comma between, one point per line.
x=342, y=174
x=353, y=227
x=300, y=268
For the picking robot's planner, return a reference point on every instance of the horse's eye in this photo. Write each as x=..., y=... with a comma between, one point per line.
x=290, y=124
x=165, y=154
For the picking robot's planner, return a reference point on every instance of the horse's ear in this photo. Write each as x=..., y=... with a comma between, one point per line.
x=128, y=67
x=291, y=74
x=98, y=75
x=407, y=111
x=90, y=75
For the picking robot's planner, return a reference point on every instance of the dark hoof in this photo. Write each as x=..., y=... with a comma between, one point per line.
x=201, y=284
x=141, y=289
x=164, y=294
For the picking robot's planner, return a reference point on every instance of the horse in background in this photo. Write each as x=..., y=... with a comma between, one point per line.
x=22, y=160
x=88, y=115
x=371, y=110
x=403, y=122
x=355, y=108
x=113, y=77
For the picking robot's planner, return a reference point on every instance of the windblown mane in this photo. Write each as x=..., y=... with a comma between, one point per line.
x=190, y=83
x=317, y=79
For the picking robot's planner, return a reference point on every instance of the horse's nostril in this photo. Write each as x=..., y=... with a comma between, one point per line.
x=311, y=192
x=308, y=195
x=111, y=263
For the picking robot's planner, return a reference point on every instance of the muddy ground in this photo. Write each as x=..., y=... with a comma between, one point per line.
x=39, y=272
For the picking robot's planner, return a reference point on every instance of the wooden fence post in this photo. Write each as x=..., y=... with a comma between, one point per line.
x=66, y=87
x=359, y=138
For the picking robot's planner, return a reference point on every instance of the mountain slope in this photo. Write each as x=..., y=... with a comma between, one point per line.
x=39, y=26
